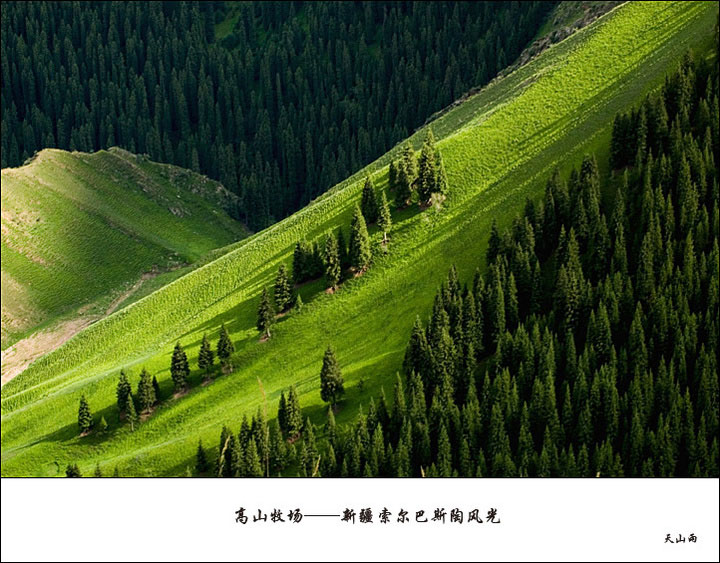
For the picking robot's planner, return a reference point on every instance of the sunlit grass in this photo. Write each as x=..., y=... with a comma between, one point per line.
x=498, y=149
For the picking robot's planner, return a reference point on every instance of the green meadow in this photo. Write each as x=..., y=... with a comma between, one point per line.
x=79, y=229
x=498, y=147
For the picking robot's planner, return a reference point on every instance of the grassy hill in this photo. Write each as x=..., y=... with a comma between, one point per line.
x=498, y=149
x=80, y=229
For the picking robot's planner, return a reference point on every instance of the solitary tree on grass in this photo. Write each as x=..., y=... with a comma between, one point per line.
x=85, y=418
x=331, y=379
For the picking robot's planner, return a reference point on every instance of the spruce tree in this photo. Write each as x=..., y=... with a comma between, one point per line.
x=294, y=420
x=206, y=357
x=331, y=380
x=409, y=163
x=282, y=413
x=368, y=202
x=201, y=462
x=359, y=242
x=179, y=368
x=145, y=392
x=123, y=392
x=253, y=466
x=283, y=290
x=98, y=471
x=427, y=169
x=266, y=314
x=384, y=217
x=403, y=192
x=332, y=262
x=225, y=347
x=85, y=419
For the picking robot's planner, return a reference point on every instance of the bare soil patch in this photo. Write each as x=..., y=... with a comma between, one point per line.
x=24, y=352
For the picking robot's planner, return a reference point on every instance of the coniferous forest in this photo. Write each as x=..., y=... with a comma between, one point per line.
x=468, y=239
x=589, y=348
x=295, y=98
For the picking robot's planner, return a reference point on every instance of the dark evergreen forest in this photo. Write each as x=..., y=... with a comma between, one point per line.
x=296, y=98
x=588, y=348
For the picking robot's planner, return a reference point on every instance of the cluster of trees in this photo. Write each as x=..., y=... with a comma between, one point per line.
x=333, y=256
x=261, y=449
x=425, y=176
x=295, y=99
x=590, y=345
x=331, y=259
x=148, y=395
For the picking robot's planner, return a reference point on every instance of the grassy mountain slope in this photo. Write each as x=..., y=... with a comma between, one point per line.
x=77, y=228
x=498, y=149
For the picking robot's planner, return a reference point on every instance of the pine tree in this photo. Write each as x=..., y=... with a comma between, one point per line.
x=403, y=192
x=427, y=169
x=332, y=262
x=282, y=415
x=206, y=357
x=368, y=202
x=294, y=413
x=145, y=392
x=98, y=471
x=494, y=244
x=331, y=380
x=253, y=467
x=123, y=392
x=408, y=162
x=225, y=347
x=201, y=462
x=266, y=314
x=103, y=425
x=384, y=217
x=179, y=368
x=359, y=242
x=85, y=418
x=283, y=291
x=417, y=353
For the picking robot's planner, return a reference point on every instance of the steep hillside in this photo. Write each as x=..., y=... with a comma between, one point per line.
x=498, y=148
x=79, y=230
